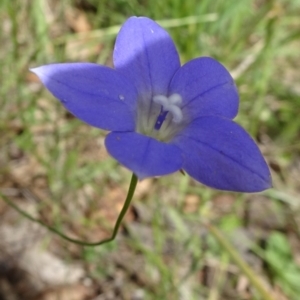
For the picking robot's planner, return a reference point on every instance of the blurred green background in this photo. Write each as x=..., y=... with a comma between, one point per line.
x=57, y=169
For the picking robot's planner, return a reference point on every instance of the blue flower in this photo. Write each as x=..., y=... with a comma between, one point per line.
x=163, y=117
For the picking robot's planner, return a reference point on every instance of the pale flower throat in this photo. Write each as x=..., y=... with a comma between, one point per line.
x=162, y=119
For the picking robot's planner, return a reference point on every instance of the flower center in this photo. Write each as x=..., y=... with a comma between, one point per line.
x=168, y=104
x=160, y=118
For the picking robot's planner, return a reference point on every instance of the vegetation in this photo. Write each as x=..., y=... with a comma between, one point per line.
x=56, y=168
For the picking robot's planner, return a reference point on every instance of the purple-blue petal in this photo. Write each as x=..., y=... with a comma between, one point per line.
x=207, y=88
x=143, y=155
x=146, y=54
x=97, y=95
x=221, y=154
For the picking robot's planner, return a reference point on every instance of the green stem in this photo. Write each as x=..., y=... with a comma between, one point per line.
x=126, y=205
x=240, y=262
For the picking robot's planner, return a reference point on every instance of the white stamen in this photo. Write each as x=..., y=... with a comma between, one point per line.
x=171, y=104
x=175, y=99
x=161, y=99
x=121, y=97
x=177, y=114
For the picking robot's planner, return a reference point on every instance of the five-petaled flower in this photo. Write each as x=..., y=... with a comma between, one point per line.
x=163, y=117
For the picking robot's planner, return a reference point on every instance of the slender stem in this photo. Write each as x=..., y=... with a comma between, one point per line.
x=126, y=205
x=247, y=270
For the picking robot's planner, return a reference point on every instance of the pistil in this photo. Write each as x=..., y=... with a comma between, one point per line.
x=168, y=105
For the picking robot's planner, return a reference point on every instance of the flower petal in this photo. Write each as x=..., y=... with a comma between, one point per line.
x=143, y=155
x=97, y=95
x=206, y=88
x=221, y=154
x=146, y=54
